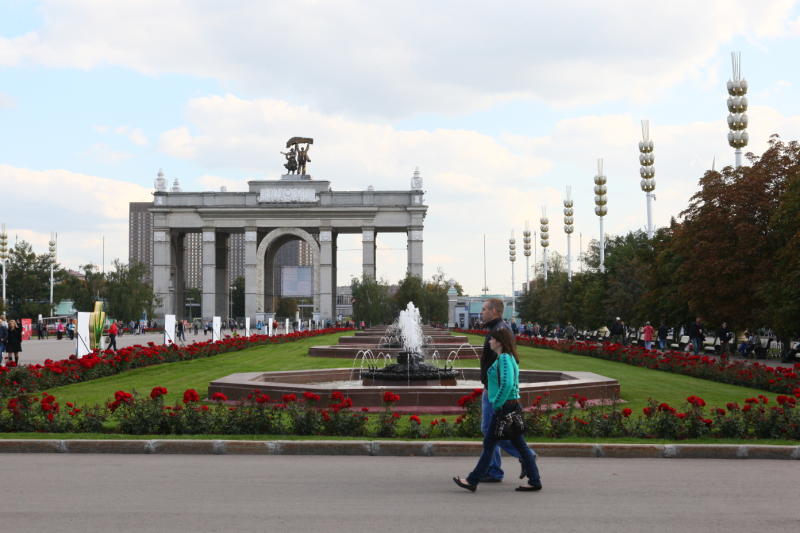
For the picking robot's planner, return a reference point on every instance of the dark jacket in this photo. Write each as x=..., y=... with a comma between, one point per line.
x=488, y=358
x=3, y=333
x=663, y=332
x=14, y=343
x=696, y=331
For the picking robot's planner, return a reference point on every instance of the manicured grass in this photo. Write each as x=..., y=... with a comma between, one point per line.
x=198, y=373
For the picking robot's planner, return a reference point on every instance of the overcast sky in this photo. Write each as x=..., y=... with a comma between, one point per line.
x=501, y=105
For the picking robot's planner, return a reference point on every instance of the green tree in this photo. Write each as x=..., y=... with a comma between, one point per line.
x=84, y=290
x=28, y=282
x=287, y=308
x=371, y=301
x=126, y=292
x=412, y=289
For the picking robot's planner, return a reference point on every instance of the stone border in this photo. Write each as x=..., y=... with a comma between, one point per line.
x=396, y=448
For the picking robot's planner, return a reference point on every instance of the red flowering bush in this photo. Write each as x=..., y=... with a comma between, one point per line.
x=157, y=392
x=339, y=419
x=219, y=397
x=415, y=428
x=190, y=396
x=106, y=363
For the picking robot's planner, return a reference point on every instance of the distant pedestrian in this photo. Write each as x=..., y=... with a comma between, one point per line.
x=617, y=331
x=113, y=330
x=181, y=331
x=40, y=329
x=71, y=330
x=663, y=333
x=3, y=336
x=60, y=330
x=569, y=332
x=648, y=333
x=696, y=335
x=14, y=343
x=724, y=335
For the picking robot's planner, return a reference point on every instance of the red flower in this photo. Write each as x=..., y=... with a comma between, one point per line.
x=707, y=421
x=337, y=395
x=262, y=398
x=289, y=398
x=647, y=411
x=627, y=412
x=123, y=397
x=696, y=401
x=311, y=397
x=415, y=418
x=219, y=397
x=681, y=415
x=190, y=395
x=732, y=406
x=390, y=397
x=157, y=391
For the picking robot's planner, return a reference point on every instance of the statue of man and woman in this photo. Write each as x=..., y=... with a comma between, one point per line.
x=297, y=157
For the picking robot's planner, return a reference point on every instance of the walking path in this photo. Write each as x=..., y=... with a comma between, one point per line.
x=158, y=493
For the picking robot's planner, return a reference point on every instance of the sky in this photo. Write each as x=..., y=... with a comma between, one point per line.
x=501, y=105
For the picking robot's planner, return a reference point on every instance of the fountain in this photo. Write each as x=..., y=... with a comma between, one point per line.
x=426, y=382
x=411, y=366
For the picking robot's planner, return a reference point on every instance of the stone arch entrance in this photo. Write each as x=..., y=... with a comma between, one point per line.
x=265, y=259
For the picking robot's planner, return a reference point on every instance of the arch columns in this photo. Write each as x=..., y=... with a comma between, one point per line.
x=415, y=251
x=368, y=252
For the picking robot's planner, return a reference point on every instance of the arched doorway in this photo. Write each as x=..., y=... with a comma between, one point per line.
x=265, y=261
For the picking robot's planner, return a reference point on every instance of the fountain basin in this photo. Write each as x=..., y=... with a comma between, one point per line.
x=375, y=340
x=422, y=398
x=350, y=352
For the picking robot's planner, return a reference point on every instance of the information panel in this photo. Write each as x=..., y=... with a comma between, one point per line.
x=297, y=281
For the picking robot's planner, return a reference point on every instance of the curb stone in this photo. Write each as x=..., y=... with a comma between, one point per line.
x=394, y=448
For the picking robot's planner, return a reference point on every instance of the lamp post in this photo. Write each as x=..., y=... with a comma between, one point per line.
x=3, y=259
x=544, y=239
x=737, y=105
x=527, y=251
x=512, y=256
x=52, y=248
x=601, y=209
x=568, y=229
x=647, y=172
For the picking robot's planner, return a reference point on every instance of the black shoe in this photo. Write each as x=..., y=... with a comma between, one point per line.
x=529, y=488
x=490, y=479
x=464, y=485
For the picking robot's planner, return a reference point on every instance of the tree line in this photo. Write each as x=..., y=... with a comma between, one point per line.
x=733, y=255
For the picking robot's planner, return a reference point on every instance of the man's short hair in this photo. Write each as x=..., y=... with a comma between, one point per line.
x=496, y=305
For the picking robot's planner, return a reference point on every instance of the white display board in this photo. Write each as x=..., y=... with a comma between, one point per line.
x=247, y=326
x=82, y=335
x=286, y=327
x=169, y=329
x=269, y=327
x=216, y=327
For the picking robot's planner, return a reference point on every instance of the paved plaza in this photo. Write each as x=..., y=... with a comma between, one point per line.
x=146, y=493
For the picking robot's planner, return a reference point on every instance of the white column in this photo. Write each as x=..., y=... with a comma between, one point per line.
x=602, y=247
x=209, y=274
x=415, y=251
x=327, y=304
x=162, y=269
x=569, y=256
x=650, y=231
x=250, y=252
x=368, y=255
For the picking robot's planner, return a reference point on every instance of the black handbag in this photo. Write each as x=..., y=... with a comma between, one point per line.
x=509, y=422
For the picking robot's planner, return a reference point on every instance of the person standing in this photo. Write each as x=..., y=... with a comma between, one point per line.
x=3, y=336
x=696, y=335
x=503, y=385
x=617, y=331
x=14, y=343
x=569, y=331
x=663, y=333
x=725, y=334
x=113, y=331
x=648, y=333
x=492, y=318
x=60, y=330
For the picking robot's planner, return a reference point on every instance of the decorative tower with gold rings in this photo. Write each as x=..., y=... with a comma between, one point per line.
x=544, y=239
x=737, y=107
x=568, y=229
x=601, y=208
x=648, y=173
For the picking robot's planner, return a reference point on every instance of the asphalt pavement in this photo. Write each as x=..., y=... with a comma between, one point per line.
x=151, y=493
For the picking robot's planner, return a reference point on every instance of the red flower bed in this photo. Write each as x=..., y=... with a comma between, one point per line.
x=749, y=374
x=99, y=364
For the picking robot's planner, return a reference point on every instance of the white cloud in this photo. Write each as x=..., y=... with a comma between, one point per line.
x=80, y=207
x=103, y=152
x=398, y=59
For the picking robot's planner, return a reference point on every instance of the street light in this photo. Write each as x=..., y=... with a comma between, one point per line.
x=568, y=229
x=544, y=239
x=52, y=248
x=601, y=209
x=647, y=172
x=512, y=256
x=737, y=105
x=527, y=251
x=3, y=259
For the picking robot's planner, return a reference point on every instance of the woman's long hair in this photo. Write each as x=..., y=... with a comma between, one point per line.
x=506, y=340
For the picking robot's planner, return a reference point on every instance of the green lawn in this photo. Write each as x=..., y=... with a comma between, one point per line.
x=636, y=384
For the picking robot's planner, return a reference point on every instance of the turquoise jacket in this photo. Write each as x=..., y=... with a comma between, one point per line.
x=508, y=386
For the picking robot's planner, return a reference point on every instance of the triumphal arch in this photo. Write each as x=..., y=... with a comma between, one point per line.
x=269, y=214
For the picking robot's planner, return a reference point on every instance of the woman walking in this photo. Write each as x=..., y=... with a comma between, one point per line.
x=14, y=345
x=503, y=391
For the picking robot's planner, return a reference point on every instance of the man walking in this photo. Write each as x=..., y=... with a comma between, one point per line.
x=113, y=330
x=492, y=317
x=696, y=335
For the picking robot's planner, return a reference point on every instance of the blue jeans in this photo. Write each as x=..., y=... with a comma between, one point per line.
x=519, y=446
x=487, y=413
x=662, y=343
x=696, y=343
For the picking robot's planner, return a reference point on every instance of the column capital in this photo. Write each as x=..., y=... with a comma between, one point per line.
x=367, y=233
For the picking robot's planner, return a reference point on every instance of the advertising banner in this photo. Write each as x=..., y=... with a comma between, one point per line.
x=27, y=329
x=82, y=335
x=247, y=326
x=216, y=327
x=169, y=329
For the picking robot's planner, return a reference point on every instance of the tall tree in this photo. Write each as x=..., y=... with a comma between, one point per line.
x=28, y=282
x=127, y=293
x=84, y=290
x=371, y=301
